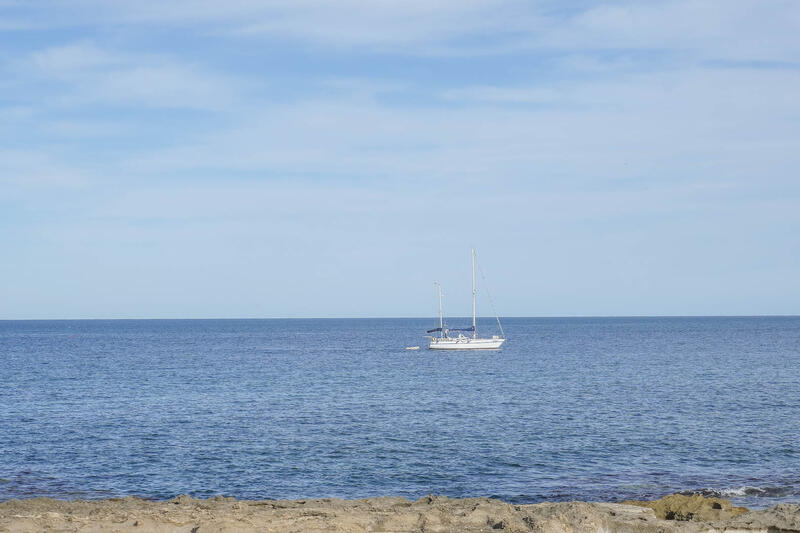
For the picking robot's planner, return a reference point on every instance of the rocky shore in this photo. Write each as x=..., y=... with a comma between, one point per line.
x=676, y=513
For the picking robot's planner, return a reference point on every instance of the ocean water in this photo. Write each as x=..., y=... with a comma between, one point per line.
x=589, y=409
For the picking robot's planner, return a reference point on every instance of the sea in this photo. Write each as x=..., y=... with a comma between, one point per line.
x=597, y=409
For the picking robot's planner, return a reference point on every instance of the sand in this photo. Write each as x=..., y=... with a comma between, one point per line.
x=430, y=514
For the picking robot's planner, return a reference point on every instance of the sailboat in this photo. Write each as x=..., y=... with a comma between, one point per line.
x=464, y=342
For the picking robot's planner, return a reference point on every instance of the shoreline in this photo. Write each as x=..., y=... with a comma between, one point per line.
x=674, y=513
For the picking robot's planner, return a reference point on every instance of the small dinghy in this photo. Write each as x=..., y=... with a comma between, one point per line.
x=412, y=347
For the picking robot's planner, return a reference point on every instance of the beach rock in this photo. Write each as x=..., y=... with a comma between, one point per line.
x=432, y=514
x=695, y=507
x=182, y=499
x=782, y=518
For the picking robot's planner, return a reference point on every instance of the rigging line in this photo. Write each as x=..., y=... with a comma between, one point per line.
x=491, y=300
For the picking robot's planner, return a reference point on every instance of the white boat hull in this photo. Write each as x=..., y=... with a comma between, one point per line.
x=466, y=343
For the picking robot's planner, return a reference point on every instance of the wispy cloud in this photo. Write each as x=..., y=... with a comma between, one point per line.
x=507, y=95
x=89, y=74
x=38, y=170
x=651, y=125
x=71, y=59
x=707, y=28
x=739, y=28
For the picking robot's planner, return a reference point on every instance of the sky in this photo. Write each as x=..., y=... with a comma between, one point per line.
x=302, y=158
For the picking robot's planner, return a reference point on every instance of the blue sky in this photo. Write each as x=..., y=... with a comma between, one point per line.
x=313, y=159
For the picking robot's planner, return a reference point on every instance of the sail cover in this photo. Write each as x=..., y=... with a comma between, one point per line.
x=432, y=330
x=471, y=328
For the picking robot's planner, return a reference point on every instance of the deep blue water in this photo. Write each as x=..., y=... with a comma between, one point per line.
x=591, y=409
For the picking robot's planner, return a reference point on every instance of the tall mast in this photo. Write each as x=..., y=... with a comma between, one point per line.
x=441, y=321
x=474, y=330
